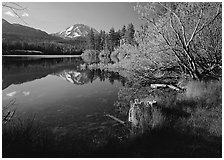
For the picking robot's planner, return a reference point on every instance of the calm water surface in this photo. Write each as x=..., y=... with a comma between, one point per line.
x=61, y=92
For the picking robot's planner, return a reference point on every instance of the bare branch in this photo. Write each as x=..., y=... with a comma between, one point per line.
x=178, y=36
x=18, y=5
x=18, y=15
x=195, y=29
x=179, y=58
x=206, y=24
x=15, y=9
x=12, y=7
x=182, y=26
x=189, y=56
x=154, y=24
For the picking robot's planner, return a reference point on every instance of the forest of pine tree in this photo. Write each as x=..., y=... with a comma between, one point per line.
x=112, y=39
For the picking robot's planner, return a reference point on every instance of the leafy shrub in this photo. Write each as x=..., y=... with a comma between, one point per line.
x=125, y=52
x=104, y=56
x=90, y=56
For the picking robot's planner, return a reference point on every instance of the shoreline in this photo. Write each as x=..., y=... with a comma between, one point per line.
x=43, y=56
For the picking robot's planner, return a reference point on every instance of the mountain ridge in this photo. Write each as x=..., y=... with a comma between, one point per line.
x=24, y=31
x=70, y=33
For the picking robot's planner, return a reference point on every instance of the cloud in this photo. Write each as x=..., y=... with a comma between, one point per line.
x=9, y=13
x=26, y=93
x=25, y=14
x=11, y=94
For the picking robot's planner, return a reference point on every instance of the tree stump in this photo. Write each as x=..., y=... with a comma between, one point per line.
x=140, y=115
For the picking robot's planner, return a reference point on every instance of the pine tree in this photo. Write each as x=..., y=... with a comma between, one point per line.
x=106, y=42
x=123, y=31
x=117, y=38
x=97, y=42
x=122, y=35
x=102, y=39
x=129, y=34
x=91, y=39
x=111, y=39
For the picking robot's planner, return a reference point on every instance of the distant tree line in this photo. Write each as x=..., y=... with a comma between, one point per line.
x=45, y=47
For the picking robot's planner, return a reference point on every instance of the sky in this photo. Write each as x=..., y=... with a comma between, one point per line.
x=53, y=17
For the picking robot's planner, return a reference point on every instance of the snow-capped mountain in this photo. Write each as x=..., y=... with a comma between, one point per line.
x=75, y=77
x=77, y=30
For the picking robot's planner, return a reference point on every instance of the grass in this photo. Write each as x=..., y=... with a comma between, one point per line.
x=163, y=143
x=160, y=142
x=29, y=140
x=207, y=112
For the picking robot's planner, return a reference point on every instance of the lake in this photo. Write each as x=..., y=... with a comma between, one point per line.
x=62, y=93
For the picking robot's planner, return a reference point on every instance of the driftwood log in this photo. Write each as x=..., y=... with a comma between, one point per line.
x=165, y=86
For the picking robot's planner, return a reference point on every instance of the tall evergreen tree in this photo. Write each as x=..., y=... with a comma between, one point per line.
x=123, y=31
x=97, y=42
x=91, y=39
x=117, y=38
x=129, y=34
x=111, y=39
x=106, y=42
x=102, y=39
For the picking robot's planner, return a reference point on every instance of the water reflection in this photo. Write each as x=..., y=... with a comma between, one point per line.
x=17, y=70
x=80, y=77
x=62, y=91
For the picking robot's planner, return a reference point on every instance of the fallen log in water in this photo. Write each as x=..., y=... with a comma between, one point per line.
x=116, y=119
